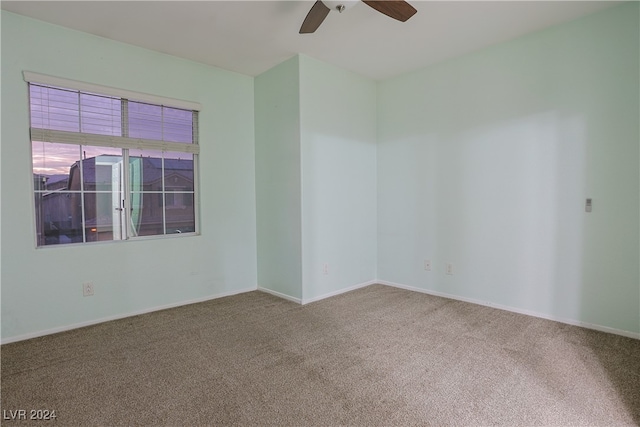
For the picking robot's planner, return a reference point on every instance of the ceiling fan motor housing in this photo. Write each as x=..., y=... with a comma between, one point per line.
x=340, y=5
x=397, y=9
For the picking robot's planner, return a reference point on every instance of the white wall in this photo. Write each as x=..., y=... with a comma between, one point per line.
x=485, y=161
x=41, y=288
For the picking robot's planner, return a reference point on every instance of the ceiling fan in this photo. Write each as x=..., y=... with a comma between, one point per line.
x=396, y=9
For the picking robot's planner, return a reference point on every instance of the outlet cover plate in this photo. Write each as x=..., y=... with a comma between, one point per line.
x=449, y=269
x=87, y=289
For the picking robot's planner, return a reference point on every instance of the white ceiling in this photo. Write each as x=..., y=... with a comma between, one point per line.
x=250, y=37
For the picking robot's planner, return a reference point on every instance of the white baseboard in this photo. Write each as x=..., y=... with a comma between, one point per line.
x=304, y=301
x=122, y=316
x=338, y=292
x=516, y=310
x=321, y=297
x=280, y=295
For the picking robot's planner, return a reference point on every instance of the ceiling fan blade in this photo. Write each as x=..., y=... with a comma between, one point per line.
x=314, y=18
x=396, y=9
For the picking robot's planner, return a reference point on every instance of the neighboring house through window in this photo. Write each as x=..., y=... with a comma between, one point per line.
x=110, y=164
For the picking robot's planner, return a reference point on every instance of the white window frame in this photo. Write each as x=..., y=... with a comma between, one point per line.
x=121, y=142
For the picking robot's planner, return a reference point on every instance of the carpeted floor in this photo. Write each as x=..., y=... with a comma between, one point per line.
x=375, y=356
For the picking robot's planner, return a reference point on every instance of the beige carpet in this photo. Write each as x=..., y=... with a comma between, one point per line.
x=375, y=356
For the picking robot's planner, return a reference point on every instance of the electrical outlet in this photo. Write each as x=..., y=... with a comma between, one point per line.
x=87, y=289
x=427, y=264
x=449, y=269
x=325, y=268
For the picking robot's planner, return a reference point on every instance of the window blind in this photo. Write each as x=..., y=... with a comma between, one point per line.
x=46, y=80
x=75, y=117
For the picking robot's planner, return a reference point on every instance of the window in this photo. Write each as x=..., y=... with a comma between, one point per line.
x=110, y=167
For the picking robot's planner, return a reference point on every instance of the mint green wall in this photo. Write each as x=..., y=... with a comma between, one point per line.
x=315, y=179
x=41, y=289
x=278, y=181
x=485, y=161
x=338, y=138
